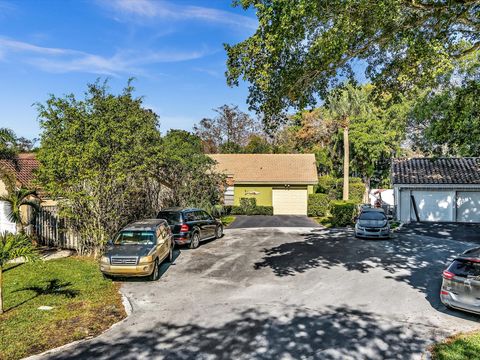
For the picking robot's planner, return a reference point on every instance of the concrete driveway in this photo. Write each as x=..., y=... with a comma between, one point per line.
x=297, y=293
x=277, y=221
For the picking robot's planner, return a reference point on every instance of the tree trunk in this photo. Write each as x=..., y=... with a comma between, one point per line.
x=1, y=291
x=346, y=161
x=366, y=196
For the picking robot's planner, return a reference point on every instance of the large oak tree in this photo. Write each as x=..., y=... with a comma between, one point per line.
x=302, y=47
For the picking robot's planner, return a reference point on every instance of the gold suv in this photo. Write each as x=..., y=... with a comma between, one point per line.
x=138, y=249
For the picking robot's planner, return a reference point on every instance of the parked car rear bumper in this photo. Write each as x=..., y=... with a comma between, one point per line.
x=122, y=270
x=182, y=238
x=448, y=300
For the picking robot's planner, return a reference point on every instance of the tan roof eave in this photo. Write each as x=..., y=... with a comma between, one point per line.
x=276, y=182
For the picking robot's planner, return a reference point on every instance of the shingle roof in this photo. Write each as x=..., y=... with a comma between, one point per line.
x=23, y=168
x=268, y=168
x=437, y=171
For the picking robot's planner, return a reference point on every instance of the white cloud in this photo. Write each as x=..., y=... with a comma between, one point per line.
x=169, y=11
x=60, y=60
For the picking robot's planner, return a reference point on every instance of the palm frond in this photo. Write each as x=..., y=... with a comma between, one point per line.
x=13, y=246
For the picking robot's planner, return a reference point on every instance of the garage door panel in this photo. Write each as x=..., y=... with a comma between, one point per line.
x=290, y=202
x=468, y=206
x=433, y=205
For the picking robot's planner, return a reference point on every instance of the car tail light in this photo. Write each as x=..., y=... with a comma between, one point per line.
x=448, y=275
x=443, y=292
x=184, y=228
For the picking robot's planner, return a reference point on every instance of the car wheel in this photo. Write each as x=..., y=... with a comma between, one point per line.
x=195, y=240
x=219, y=232
x=155, y=272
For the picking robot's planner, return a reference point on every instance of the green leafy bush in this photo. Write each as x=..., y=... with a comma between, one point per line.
x=327, y=184
x=356, y=189
x=257, y=210
x=318, y=204
x=248, y=206
x=342, y=212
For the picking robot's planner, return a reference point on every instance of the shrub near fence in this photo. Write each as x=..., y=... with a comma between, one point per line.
x=343, y=212
x=318, y=204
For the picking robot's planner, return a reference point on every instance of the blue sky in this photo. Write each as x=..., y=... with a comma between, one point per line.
x=173, y=49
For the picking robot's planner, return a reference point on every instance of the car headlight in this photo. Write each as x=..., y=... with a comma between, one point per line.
x=105, y=260
x=146, y=259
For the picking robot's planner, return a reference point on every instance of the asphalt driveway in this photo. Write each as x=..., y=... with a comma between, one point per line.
x=298, y=293
x=277, y=221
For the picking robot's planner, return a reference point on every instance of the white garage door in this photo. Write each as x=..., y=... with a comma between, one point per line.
x=468, y=206
x=5, y=224
x=434, y=205
x=290, y=202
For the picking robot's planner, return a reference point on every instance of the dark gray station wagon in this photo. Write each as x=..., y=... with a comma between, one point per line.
x=461, y=282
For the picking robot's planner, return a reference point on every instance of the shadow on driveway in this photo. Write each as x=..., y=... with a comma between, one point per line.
x=261, y=221
x=416, y=261
x=447, y=231
x=337, y=333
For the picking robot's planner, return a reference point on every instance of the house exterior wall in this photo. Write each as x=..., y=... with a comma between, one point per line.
x=264, y=196
x=3, y=188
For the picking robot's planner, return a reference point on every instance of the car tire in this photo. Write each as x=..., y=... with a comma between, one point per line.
x=219, y=232
x=170, y=254
x=155, y=273
x=195, y=241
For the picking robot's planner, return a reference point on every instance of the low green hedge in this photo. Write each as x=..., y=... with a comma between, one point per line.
x=343, y=212
x=248, y=206
x=257, y=210
x=318, y=204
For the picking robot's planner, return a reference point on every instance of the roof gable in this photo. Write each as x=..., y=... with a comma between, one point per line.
x=268, y=168
x=436, y=171
x=23, y=168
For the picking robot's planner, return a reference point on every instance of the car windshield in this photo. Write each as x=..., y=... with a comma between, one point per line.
x=172, y=217
x=372, y=215
x=465, y=268
x=135, y=238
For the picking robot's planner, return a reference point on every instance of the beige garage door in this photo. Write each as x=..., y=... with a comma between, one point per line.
x=290, y=202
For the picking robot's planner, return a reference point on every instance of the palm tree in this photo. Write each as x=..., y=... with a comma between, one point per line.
x=16, y=199
x=13, y=246
x=343, y=104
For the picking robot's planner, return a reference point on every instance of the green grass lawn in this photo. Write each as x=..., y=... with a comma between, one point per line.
x=325, y=221
x=227, y=220
x=459, y=347
x=84, y=304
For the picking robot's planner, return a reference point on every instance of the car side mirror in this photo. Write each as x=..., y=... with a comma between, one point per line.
x=355, y=218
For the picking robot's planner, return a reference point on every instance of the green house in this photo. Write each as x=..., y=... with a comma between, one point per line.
x=279, y=180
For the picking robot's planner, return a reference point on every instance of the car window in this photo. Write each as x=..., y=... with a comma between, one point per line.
x=135, y=237
x=199, y=215
x=206, y=216
x=172, y=217
x=372, y=215
x=465, y=268
x=163, y=232
x=189, y=216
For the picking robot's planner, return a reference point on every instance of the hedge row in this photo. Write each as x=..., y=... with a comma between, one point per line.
x=318, y=205
x=248, y=206
x=343, y=212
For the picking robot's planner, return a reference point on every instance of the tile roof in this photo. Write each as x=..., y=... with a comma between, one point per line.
x=436, y=171
x=268, y=168
x=24, y=168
